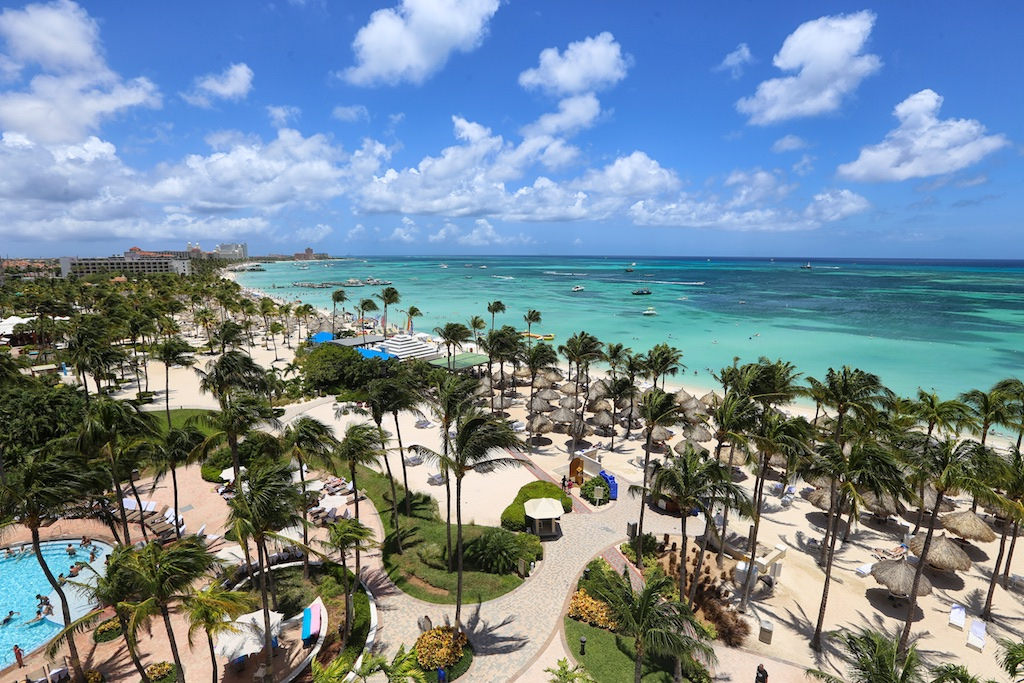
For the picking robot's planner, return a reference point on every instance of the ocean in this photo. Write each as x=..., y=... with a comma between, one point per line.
x=941, y=325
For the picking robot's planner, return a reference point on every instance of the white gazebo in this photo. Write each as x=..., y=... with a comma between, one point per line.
x=545, y=513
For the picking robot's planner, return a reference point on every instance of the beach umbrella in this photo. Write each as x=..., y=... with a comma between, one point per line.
x=599, y=388
x=570, y=402
x=602, y=418
x=623, y=402
x=500, y=402
x=733, y=456
x=898, y=577
x=539, y=405
x=632, y=414
x=681, y=446
x=699, y=433
x=943, y=553
x=548, y=395
x=599, y=405
x=247, y=636
x=821, y=499
x=570, y=388
x=682, y=398
x=553, y=375
x=661, y=434
x=969, y=525
x=539, y=424
x=777, y=460
x=580, y=429
x=541, y=382
x=694, y=408
x=482, y=390
x=563, y=416
x=522, y=372
x=228, y=473
x=928, y=501
x=711, y=399
x=885, y=505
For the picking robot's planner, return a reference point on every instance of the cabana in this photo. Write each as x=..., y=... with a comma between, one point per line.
x=545, y=513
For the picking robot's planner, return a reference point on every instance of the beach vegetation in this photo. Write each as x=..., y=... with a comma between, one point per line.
x=513, y=517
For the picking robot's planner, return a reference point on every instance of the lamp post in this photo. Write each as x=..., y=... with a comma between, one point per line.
x=583, y=645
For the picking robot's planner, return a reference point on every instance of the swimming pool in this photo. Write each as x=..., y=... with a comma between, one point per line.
x=21, y=578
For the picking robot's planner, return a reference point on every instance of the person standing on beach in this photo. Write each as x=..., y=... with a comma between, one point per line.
x=19, y=656
x=762, y=674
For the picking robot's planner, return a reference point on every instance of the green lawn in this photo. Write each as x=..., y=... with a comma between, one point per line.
x=420, y=569
x=179, y=417
x=609, y=657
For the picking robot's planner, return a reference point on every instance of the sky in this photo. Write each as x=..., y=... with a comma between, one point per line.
x=419, y=127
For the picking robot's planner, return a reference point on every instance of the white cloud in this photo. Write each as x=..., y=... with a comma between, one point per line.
x=736, y=60
x=414, y=40
x=446, y=232
x=923, y=145
x=574, y=113
x=788, y=143
x=350, y=113
x=72, y=90
x=280, y=116
x=234, y=83
x=358, y=231
x=630, y=176
x=482, y=234
x=805, y=165
x=586, y=65
x=312, y=235
x=406, y=233
x=756, y=187
x=826, y=55
x=835, y=205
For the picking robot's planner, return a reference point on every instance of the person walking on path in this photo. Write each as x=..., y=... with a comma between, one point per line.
x=762, y=674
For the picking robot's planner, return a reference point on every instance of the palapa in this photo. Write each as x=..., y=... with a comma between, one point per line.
x=681, y=447
x=538, y=424
x=548, y=395
x=682, y=398
x=885, y=505
x=821, y=499
x=599, y=388
x=967, y=524
x=482, y=390
x=711, y=399
x=898, y=577
x=522, y=372
x=928, y=502
x=539, y=405
x=599, y=405
x=943, y=553
x=563, y=416
x=579, y=429
x=500, y=402
x=699, y=433
x=602, y=418
x=570, y=402
x=541, y=382
x=660, y=434
x=553, y=375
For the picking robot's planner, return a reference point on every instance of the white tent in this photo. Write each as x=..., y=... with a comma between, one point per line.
x=248, y=638
x=544, y=512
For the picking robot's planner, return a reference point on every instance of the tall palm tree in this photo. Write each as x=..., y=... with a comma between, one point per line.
x=1008, y=478
x=205, y=318
x=396, y=394
x=1013, y=391
x=402, y=668
x=634, y=366
x=477, y=437
x=531, y=318
x=310, y=442
x=359, y=447
x=476, y=324
x=581, y=349
x=852, y=390
x=410, y=313
x=347, y=535
x=212, y=610
x=285, y=310
x=453, y=335
x=620, y=389
x=380, y=393
x=657, y=409
x=658, y=625
x=732, y=418
x=664, y=360
x=230, y=425
x=164, y=575
x=172, y=351
x=388, y=296
x=495, y=307
x=303, y=311
x=338, y=296
x=875, y=658
x=538, y=359
x=615, y=355
x=169, y=453
x=988, y=408
x=365, y=306
x=232, y=372
x=38, y=489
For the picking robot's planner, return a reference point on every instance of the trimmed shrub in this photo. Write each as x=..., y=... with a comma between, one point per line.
x=497, y=551
x=513, y=517
x=94, y=676
x=586, y=608
x=107, y=630
x=530, y=547
x=162, y=672
x=440, y=647
x=649, y=544
x=587, y=490
x=457, y=669
x=596, y=567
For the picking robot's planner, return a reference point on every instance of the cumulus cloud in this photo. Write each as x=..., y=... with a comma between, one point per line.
x=482, y=234
x=574, y=113
x=72, y=90
x=923, y=144
x=358, y=231
x=350, y=113
x=405, y=233
x=280, y=116
x=835, y=205
x=586, y=65
x=414, y=40
x=736, y=60
x=314, y=234
x=234, y=83
x=630, y=176
x=756, y=186
x=788, y=143
x=826, y=55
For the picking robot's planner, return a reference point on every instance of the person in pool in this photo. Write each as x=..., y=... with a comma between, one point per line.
x=86, y=542
x=71, y=550
x=9, y=618
x=37, y=618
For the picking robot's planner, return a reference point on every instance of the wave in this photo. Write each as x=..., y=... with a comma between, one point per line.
x=675, y=282
x=556, y=272
x=503, y=277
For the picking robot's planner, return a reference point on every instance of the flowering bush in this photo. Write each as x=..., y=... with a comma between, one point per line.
x=94, y=676
x=439, y=647
x=161, y=671
x=107, y=631
x=584, y=607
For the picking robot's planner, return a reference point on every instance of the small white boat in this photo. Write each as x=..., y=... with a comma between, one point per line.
x=444, y=265
x=483, y=266
x=578, y=288
x=650, y=311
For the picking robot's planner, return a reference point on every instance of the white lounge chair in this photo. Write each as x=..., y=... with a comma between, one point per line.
x=957, y=617
x=414, y=459
x=865, y=569
x=435, y=479
x=976, y=636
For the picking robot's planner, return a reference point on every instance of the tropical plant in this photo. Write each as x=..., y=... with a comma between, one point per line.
x=388, y=297
x=402, y=668
x=338, y=296
x=875, y=658
x=172, y=451
x=346, y=535
x=212, y=610
x=495, y=307
x=310, y=442
x=564, y=673
x=359, y=447
x=531, y=318
x=172, y=351
x=365, y=306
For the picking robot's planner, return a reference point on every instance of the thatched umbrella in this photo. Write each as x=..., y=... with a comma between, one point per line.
x=885, y=505
x=634, y=414
x=570, y=402
x=928, y=502
x=522, y=372
x=602, y=418
x=682, y=398
x=942, y=554
x=538, y=424
x=599, y=405
x=733, y=456
x=821, y=499
x=699, y=433
x=553, y=375
x=681, y=446
x=539, y=405
x=898, y=577
x=548, y=395
x=482, y=390
x=571, y=388
x=580, y=429
x=819, y=482
x=969, y=525
x=599, y=388
x=694, y=408
x=541, y=382
x=500, y=402
x=660, y=434
x=711, y=399
x=563, y=416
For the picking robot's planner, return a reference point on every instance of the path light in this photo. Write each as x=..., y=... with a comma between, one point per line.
x=583, y=645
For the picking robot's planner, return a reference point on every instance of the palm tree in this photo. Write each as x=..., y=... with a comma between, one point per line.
x=388, y=296
x=538, y=359
x=495, y=307
x=664, y=360
x=1013, y=391
x=232, y=372
x=733, y=416
x=397, y=394
x=568, y=674
x=1009, y=478
x=476, y=324
x=364, y=306
x=285, y=310
x=343, y=536
x=37, y=490
x=852, y=391
x=171, y=452
x=212, y=610
x=875, y=658
x=205, y=317
x=634, y=367
x=657, y=624
x=615, y=355
x=338, y=296
x=581, y=349
x=619, y=390
x=453, y=335
x=310, y=442
x=360, y=447
x=229, y=426
x=164, y=574
x=477, y=435
x=402, y=668
x=531, y=318
x=303, y=311
x=988, y=408
x=410, y=313
x=1012, y=659
x=172, y=351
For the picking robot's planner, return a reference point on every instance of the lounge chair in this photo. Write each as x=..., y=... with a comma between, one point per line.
x=896, y=553
x=424, y=424
x=957, y=617
x=435, y=479
x=60, y=674
x=37, y=676
x=865, y=569
x=977, y=635
x=414, y=459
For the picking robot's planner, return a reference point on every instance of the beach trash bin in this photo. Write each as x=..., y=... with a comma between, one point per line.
x=631, y=529
x=767, y=630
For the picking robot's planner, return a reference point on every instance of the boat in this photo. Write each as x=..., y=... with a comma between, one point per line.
x=375, y=281
x=467, y=265
x=534, y=335
x=806, y=266
x=353, y=282
x=578, y=288
x=650, y=311
x=443, y=265
x=483, y=266
x=643, y=291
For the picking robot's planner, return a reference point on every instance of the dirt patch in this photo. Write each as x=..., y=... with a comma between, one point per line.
x=430, y=588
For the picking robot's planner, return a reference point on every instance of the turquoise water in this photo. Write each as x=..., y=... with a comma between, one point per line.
x=21, y=578
x=939, y=325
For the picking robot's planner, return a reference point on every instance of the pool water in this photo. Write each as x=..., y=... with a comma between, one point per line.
x=21, y=578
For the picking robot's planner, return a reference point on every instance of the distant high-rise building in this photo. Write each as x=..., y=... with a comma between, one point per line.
x=134, y=260
x=238, y=250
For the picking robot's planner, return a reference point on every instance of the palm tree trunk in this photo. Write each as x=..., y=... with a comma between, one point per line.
x=1009, y=556
x=816, y=640
x=986, y=613
x=683, y=514
x=458, y=552
x=305, y=518
x=643, y=505
x=355, y=499
x=138, y=502
x=213, y=658
x=394, y=492
x=167, y=393
x=271, y=583
x=174, y=487
x=638, y=666
x=133, y=652
x=405, y=476
x=120, y=503
x=166, y=614
x=76, y=661
x=347, y=628
x=905, y=636
x=447, y=502
x=268, y=641
x=748, y=583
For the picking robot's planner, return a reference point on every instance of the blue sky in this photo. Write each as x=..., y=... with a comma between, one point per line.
x=480, y=126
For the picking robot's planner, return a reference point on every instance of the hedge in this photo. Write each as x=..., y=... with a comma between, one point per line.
x=514, y=516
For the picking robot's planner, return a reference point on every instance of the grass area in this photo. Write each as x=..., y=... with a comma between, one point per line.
x=609, y=657
x=420, y=570
x=180, y=416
